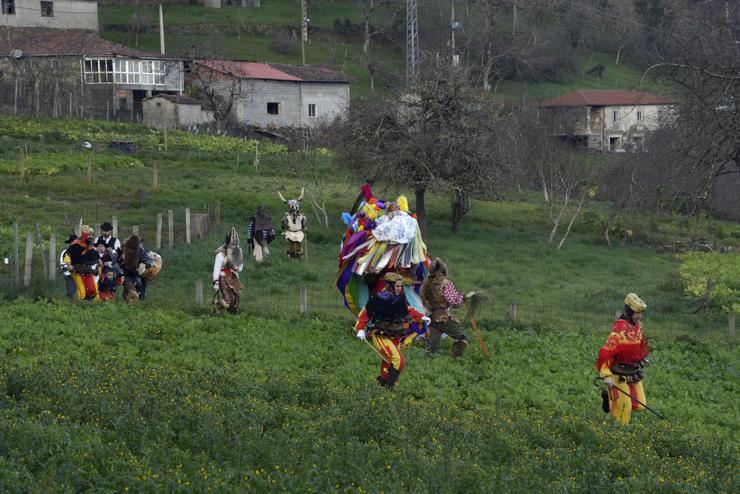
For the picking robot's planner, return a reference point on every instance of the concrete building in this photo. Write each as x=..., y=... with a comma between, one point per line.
x=614, y=121
x=171, y=111
x=275, y=95
x=53, y=14
x=54, y=72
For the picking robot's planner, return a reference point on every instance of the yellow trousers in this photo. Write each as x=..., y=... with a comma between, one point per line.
x=621, y=405
x=389, y=348
x=87, y=289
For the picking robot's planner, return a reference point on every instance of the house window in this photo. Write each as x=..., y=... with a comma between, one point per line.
x=47, y=9
x=8, y=7
x=273, y=108
x=639, y=115
x=127, y=71
x=152, y=72
x=312, y=110
x=615, y=116
x=98, y=71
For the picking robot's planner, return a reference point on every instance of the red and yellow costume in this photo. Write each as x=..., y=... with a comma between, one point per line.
x=389, y=313
x=622, y=357
x=84, y=259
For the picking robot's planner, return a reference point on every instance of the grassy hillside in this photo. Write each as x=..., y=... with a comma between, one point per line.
x=251, y=34
x=163, y=396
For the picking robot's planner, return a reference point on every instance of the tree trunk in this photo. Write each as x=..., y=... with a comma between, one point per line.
x=460, y=207
x=572, y=220
x=556, y=220
x=421, y=209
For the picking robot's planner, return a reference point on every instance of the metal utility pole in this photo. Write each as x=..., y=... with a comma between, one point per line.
x=453, y=27
x=304, y=30
x=412, y=41
x=161, y=30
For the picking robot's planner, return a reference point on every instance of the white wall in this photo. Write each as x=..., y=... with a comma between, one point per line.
x=650, y=118
x=68, y=14
x=331, y=100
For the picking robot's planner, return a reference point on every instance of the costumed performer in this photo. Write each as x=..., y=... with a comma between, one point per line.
x=84, y=259
x=65, y=266
x=228, y=264
x=621, y=361
x=135, y=261
x=380, y=239
x=107, y=239
x=388, y=312
x=294, y=226
x=439, y=296
x=259, y=234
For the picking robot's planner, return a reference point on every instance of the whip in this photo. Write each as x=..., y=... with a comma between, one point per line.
x=597, y=380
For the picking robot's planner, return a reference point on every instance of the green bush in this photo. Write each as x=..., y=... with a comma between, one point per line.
x=723, y=269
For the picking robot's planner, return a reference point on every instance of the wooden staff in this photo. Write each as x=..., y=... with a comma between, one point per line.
x=477, y=333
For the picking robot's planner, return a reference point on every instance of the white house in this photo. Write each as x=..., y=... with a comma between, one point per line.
x=613, y=121
x=276, y=95
x=55, y=14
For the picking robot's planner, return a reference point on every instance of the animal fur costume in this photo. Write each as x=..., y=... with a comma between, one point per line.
x=439, y=296
x=134, y=255
x=294, y=225
x=260, y=233
x=228, y=264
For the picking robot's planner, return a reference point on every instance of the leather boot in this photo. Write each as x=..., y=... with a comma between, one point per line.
x=605, y=400
x=393, y=374
x=458, y=348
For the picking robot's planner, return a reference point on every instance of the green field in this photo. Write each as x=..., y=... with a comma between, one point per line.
x=163, y=396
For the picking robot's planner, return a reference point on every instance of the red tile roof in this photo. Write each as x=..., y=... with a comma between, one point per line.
x=58, y=42
x=275, y=71
x=606, y=98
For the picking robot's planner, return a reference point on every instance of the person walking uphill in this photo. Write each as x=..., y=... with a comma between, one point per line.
x=621, y=360
x=85, y=263
x=388, y=310
x=228, y=264
x=260, y=233
x=439, y=296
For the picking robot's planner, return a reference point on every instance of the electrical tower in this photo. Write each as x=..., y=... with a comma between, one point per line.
x=412, y=41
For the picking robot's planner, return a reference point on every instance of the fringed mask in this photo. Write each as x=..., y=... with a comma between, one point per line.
x=234, y=255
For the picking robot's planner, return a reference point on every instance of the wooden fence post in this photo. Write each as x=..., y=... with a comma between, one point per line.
x=154, y=178
x=43, y=250
x=135, y=229
x=512, y=312
x=78, y=228
x=29, y=260
x=159, y=231
x=53, y=258
x=199, y=298
x=217, y=219
x=22, y=163
x=114, y=220
x=170, y=228
x=16, y=260
x=303, y=300
x=731, y=325
x=187, y=226
x=206, y=226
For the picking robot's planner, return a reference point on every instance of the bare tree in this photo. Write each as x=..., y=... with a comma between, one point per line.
x=218, y=88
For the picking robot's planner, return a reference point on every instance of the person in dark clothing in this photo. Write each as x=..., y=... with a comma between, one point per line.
x=260, y=233
x=134, y=262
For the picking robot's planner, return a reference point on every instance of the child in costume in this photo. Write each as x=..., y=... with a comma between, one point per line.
x=621, y=360
x=108, y=284
x=388, y=311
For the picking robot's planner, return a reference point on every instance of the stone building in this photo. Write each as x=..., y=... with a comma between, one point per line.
x=171, y=111
x=53, y=14
x=273, y=95
x=75, y=73
x=614, y=121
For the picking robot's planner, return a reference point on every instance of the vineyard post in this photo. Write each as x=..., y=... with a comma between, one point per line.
x=154, y=178
x=159, y=231
x=21, y=163
x=88, y=170
x=237, y=160
x=78, y=228
x=199, y=226
x=256, y=154
x=43, y=250
x=303, y=300
x=29, y=260
x=16, y=260
x=114, y=220
x=206, y=224
x=135, y=230
x=512, y=312
x=53, y=258
x=199, y=298
x=170, y=228
x=731, y=325
x=187, y=226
